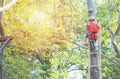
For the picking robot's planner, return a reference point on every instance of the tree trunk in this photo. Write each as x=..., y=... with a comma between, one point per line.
x=92, y=9
x=1, y=52
x=94, y=69
x=5, y=40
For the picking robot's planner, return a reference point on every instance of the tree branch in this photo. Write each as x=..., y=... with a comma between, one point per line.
x=111, y=60
x=116, y=48
x=113, y=37
x=4, y=44
x=77, y=69
x=118, y=28
x=8, y=5
x=110, y=30
x=5, y=38
x=76, y=44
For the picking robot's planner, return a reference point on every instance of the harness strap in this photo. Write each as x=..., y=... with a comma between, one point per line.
x=93, y=32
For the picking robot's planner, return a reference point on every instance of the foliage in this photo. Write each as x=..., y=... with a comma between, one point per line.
x=43, y=31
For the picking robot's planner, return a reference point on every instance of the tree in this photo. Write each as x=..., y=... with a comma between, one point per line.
x=48, y=36
x=3, y=8
x=94, y=57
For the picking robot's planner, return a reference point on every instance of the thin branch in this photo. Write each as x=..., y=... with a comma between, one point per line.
x=116, y=48
x=71, y=12
x=70, y=56
x=5, y=38
x=111, y=60
x=113, y=37
x=81, y=46
x=10, y=4
x=4, y=44
x=118, y=28
x=110, y=30
x=77, y=69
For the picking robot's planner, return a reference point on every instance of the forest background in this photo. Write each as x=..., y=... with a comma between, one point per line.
x=48, y=37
